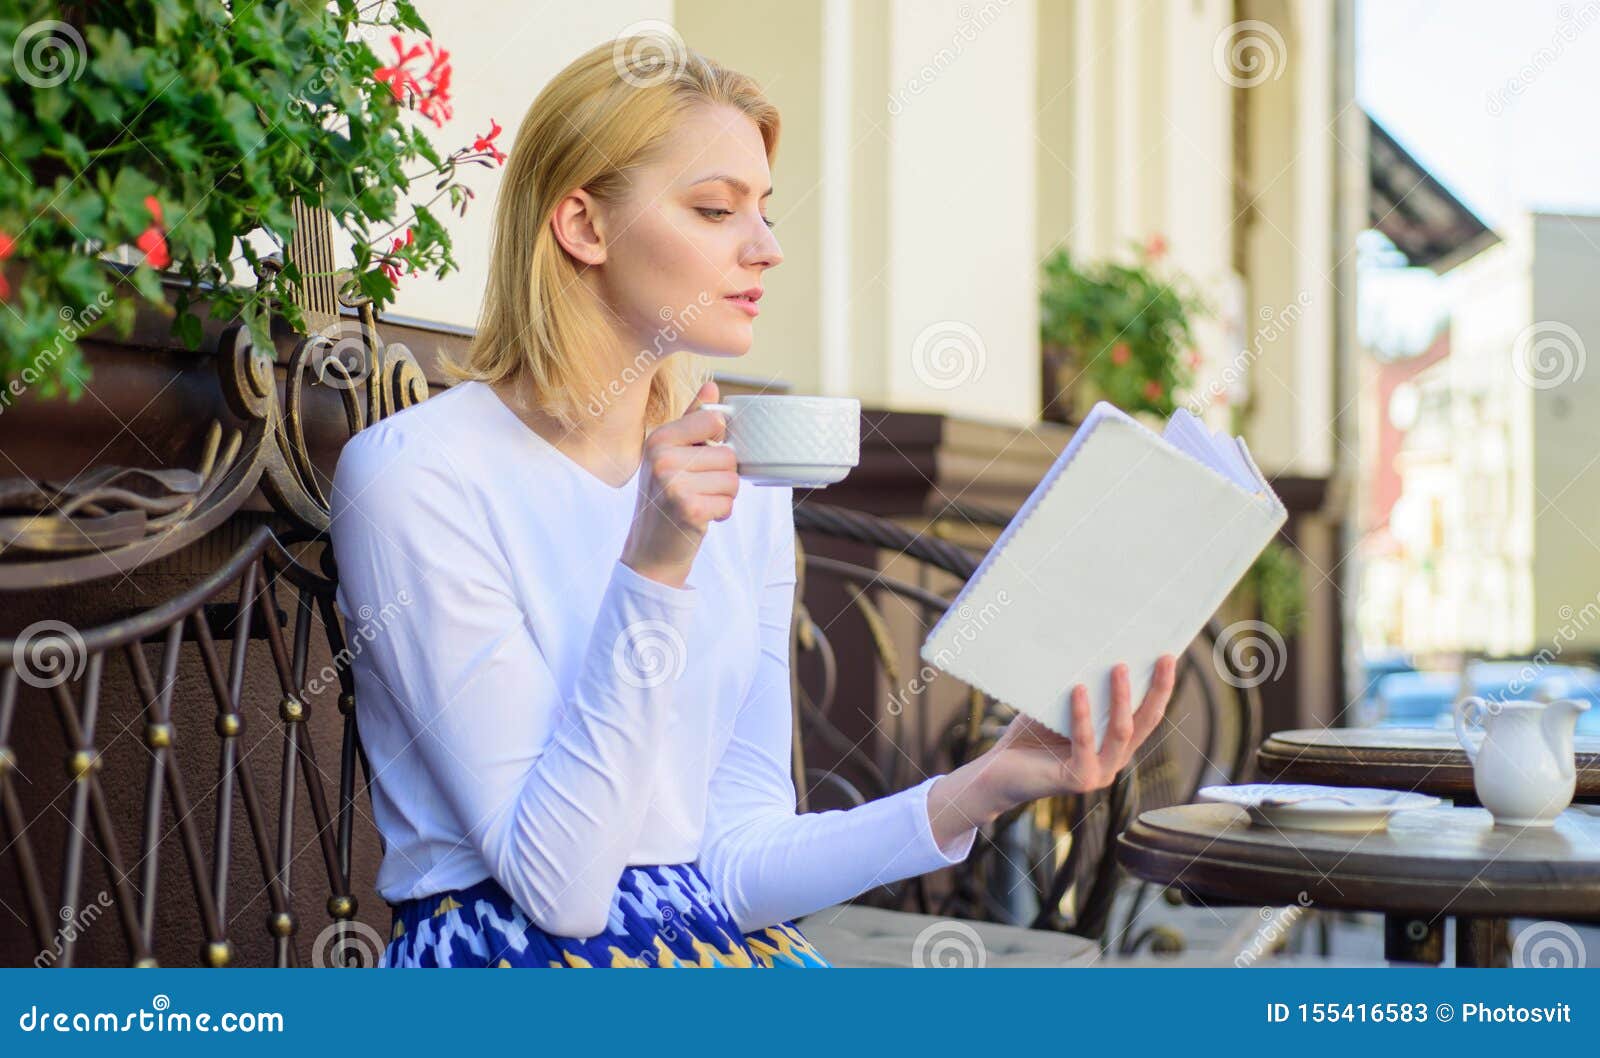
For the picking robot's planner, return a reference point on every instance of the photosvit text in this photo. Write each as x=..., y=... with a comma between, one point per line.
x=1379, y=1013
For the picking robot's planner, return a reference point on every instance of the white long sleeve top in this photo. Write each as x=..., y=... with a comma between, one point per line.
x=536, y=711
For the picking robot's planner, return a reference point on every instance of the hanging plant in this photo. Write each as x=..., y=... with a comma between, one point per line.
x=164, y=131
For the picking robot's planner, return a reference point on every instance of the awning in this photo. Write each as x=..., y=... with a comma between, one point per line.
x=1424, y=220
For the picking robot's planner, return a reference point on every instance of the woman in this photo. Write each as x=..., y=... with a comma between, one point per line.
x=573, y=686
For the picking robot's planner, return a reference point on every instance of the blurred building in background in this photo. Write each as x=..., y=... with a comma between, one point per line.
x=1491, y=544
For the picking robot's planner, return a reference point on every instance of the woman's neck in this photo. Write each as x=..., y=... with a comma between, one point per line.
x=608, y=445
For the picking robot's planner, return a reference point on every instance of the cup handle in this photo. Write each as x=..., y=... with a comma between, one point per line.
x=1462, y=709
x=727, y=413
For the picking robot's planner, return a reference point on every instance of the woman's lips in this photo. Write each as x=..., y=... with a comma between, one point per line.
x=744, y=303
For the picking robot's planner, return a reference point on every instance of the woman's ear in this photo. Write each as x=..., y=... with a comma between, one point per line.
x=575, y=223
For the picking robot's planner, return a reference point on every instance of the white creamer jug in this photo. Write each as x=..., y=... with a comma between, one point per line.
x=1523, y=767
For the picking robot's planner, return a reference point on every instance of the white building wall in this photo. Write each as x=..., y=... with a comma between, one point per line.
x=935, y=151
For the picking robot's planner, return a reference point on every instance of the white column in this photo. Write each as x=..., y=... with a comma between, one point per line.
x=837, y=278
x=1091, y=209
x=1130, y=132
x=1313, y=234
x=961, y=189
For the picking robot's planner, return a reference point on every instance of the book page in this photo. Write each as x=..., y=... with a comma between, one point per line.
x=1189, y=435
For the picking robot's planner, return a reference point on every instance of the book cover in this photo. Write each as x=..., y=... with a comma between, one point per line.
x=1123, y=551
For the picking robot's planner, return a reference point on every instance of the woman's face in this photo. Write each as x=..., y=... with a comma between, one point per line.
x=680, y=254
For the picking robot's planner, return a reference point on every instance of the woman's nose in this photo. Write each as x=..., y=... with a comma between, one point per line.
x=764, y=252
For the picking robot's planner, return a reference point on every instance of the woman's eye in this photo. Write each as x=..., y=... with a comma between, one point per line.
x=714, y=213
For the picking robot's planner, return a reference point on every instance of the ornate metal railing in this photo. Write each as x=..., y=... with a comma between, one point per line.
x=70, y=667
x=112, y=519
x=140, y=678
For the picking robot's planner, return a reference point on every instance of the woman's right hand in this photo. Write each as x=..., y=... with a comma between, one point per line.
x=684, y=485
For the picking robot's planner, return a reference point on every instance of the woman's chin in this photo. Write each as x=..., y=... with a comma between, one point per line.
x=728, y=349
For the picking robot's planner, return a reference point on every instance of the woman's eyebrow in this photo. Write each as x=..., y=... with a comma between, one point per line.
x=732, y=181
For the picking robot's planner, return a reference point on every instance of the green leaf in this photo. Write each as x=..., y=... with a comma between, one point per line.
x=428, y=228
x=260, y=332
x=123, y=313
x=127, y=195
x=115, y=61
x=191, y=239
x=170, y=14
x=222, y=232
x=50, y=106
x=406, y=16
x=376, y=285
x=80, y=279
x=243, y=128
x=188, y=327
x=181, y=150
x=147, y=282
x=73, y=148
x=83, y=209
x=278, y=219
x=424, y=146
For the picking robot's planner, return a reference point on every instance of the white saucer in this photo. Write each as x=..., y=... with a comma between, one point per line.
x=1306, y=807
x=800, y=475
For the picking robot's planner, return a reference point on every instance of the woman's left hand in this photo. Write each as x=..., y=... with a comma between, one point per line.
x=1031, y=761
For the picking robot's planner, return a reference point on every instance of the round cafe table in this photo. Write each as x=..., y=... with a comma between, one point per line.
x=1426, y=865
x=1427, y=760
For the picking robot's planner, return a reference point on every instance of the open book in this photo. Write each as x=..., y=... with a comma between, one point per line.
x=1122, y=553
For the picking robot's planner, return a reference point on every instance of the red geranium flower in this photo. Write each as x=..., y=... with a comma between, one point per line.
x=439, y=70
x=429, y=90
x=1120, y=353
x=399, y=79
x=1155, y=247
x=435, y=103
x=1153, y=390
x=7, y=245
x=152, y=241
x=435, y=106
x=389, y=265
x=486, y=142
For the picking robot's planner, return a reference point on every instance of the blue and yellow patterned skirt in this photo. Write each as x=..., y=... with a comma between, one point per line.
x=660, y=916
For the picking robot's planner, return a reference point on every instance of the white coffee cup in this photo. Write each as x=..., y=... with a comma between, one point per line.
x=804, y=441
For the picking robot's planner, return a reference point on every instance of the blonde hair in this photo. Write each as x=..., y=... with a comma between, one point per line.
x=595, y=123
